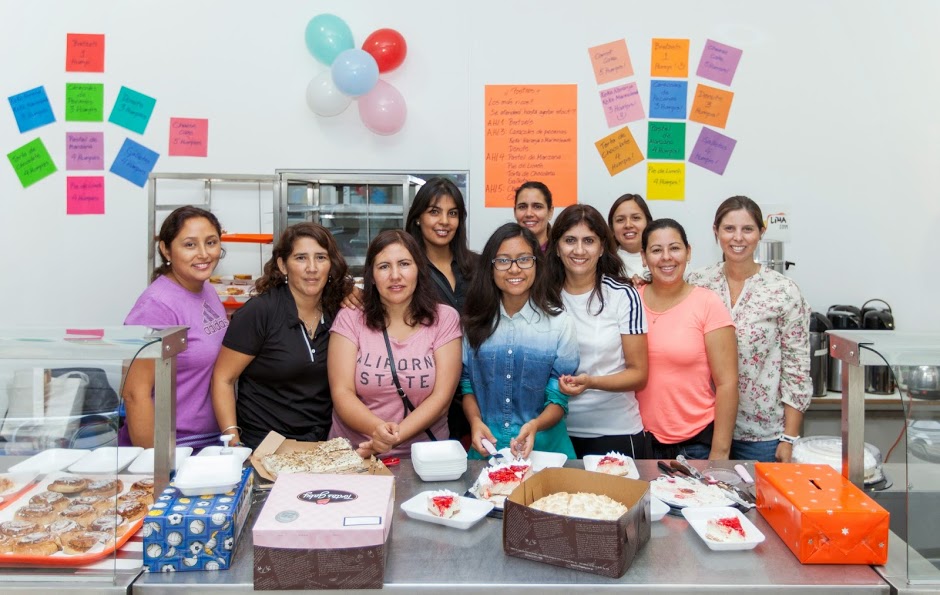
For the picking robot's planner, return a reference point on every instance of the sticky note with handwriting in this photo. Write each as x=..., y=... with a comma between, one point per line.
x=665, y=140
x=84, y=150
x=665, y=181
x=719, y=62
x=611, y=61
x=668, y=99
x=189, y=137
x=622, y=104
x=84, y=52
x=712, y=151
x=132, y=110
x=31, y=109
x=619, y=151
x=711, y=106
x=669, y=58
x=31, y=162
x=84, y=195
x=84, y=102
x=134, y=162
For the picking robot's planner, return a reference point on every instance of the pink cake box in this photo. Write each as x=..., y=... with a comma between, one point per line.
x=333, y=526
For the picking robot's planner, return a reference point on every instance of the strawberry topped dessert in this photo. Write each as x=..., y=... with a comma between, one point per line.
x=444, y=504
x=613, y=463
x=501, y=480
x=725, y=530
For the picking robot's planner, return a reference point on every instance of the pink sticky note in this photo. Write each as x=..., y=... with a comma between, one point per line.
x=189, y=137
x=622, y=105
x=84, y=195
x=611, y=61
x=84, y=333
x=84, y=150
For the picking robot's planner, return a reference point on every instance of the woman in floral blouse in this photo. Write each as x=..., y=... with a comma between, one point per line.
x=772, y=324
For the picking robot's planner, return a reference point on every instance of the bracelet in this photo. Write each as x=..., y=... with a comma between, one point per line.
x=789, y=439
x=232, y=428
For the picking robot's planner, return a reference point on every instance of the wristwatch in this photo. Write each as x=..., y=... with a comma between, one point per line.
x=789, y=439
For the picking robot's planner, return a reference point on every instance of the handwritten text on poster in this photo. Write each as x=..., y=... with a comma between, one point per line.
x=531, y=134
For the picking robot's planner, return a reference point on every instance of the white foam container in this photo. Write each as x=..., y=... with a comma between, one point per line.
x=471, y=511
x=698, y=519
x=208, y=475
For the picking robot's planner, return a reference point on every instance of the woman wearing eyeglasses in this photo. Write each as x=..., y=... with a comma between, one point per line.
x=517, y=344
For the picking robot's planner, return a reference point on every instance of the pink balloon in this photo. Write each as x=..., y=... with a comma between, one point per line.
x=383, y=109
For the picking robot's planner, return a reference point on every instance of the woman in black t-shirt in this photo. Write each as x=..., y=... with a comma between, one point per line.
x=276, y=345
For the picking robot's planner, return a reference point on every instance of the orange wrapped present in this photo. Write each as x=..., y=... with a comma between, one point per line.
x=821, y=516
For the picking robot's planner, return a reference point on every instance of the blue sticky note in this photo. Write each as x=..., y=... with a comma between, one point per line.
x=32, y=109
x=132, y=110
x=134, y=162
x=668, y=99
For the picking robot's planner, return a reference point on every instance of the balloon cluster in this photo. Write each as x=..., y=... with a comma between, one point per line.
x=355, y=73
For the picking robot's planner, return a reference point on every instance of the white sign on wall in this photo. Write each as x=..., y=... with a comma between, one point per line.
x=778, y=221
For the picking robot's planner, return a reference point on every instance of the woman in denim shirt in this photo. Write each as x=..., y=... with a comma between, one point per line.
x=517, y=343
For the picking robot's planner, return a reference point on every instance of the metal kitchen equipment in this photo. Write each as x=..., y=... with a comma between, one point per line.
x=878, y=379
x=770, y=253
x=841, y=318
x=819, y=352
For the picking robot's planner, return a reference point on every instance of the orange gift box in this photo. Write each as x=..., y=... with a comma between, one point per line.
x=821, y=516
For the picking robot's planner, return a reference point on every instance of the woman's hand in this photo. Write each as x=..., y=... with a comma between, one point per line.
x=479, y=431
x=784, y=452
x=716, y=454
x=385, y=437
x=522, y=445
x=353, y=299
x=639, y=281
x=574, y=385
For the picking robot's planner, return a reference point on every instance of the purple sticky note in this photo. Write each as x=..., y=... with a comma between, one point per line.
x=719, y=62
x=622, y=105
x=84, y=195
x=84, y=150
x=712, y=151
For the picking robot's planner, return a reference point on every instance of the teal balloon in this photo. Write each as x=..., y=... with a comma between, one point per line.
x=328, y=36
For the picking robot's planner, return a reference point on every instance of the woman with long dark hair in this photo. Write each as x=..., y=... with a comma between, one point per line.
x=402, y=340
x=276, y=345
x=518, y=342
x=603, y=414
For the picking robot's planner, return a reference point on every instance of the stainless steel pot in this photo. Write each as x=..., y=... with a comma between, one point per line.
x=921, y=382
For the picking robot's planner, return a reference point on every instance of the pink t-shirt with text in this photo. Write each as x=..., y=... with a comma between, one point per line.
x=678, y=401
x=415, y=365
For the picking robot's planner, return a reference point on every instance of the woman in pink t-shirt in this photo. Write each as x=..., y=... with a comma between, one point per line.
x=401, y=315
x=690, y=401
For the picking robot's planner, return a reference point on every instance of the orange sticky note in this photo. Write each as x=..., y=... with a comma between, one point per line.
x=84, y=52
x=711, y=106
x=611, y=61
x=619, y=151
x=531, y=135
x=665, y=181
x=670, y=58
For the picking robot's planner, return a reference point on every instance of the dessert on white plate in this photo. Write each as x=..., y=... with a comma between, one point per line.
x=725, y=530
x=613, y=463
x=443, y=503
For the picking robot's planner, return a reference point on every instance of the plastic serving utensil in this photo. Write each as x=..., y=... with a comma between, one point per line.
x=492, y=450
x=742, y=471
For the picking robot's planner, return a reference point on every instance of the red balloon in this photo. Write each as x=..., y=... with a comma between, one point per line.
x=388, y=47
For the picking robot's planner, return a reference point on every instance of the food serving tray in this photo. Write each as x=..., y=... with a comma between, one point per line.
x=107, y=459
x=18, y=483
x=471, y=511
x=61, y=558
x=698, y=519
x=591, y=461
x=54, y=459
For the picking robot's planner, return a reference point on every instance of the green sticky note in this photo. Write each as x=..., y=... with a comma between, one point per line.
x=31, y=162
x=84, y=102
x=132, y=110
x=665, y=140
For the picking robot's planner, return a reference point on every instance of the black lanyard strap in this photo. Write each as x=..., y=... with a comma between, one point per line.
x=409, y=406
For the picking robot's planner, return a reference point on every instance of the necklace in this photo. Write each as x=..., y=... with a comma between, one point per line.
x=311, y=323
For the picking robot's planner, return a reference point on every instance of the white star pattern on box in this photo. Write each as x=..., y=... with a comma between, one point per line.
x=845, y=530
x=881, y=544
x=829, y=512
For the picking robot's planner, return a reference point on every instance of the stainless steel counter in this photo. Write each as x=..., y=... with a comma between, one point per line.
x=429, y=558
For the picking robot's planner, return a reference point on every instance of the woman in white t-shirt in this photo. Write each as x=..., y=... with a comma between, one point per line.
x=603, y=414
x=628, y=217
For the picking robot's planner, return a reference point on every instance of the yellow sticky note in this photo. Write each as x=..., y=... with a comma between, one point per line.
x=665, y=181
x=669, y=58
x=619, y=151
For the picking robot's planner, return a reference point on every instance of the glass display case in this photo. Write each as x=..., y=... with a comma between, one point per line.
x=354, y=206
x=914, y=360
x=61, y=470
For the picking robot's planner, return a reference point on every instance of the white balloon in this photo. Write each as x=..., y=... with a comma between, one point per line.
x=324, y=98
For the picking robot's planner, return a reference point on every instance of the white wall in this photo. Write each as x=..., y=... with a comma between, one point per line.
x=834, y=113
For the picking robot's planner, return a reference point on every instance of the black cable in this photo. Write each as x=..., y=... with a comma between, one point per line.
x=897, y=389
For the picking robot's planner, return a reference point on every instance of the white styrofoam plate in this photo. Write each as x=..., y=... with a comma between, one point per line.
x=591, y=461
x=698, y=520
x=18, y=481
x=658, y=509
x=208, y=475
x=144, y=463
x=539, y=459
x=242, y=452
x=681, y=493
x=54, y=459
x=471, y=511
x=107, y=459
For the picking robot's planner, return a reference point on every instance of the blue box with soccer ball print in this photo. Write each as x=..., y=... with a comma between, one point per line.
x=183, y=533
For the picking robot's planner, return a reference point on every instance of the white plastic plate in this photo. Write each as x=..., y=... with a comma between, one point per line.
x=698, y=520
x=54, y=459
x=242, y=452
x=658, y=509
x=471, y=511
x=207, y=475
x=144, y=463
x=438, y=452
x=107, y=459
x=539, y=459
x=681, y=493
x=20, y=481
x=591, y=461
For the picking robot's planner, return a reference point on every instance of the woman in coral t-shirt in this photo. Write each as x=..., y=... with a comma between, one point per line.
x=690, y=401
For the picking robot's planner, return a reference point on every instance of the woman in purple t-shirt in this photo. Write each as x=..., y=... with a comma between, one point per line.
x=190, y=244
x=399, y=302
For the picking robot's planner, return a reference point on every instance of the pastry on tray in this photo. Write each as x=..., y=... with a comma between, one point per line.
x=582, y=505
x=613, y=463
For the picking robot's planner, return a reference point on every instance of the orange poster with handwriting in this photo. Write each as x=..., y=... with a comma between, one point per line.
x=711, y=106
x=670, y=58
x=531, y=135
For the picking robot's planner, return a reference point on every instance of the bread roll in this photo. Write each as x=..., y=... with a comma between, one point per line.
x=56, y=500
x=68, y=485
x=83, y=514
x=41, y=514
x=41, y=543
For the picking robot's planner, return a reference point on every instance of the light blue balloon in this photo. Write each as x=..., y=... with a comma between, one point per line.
x=328, y=36
x=355, y=72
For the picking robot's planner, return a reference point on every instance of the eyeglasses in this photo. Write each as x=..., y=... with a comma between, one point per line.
x=504, y=264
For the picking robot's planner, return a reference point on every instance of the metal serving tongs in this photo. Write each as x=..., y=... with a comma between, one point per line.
x=733, y=493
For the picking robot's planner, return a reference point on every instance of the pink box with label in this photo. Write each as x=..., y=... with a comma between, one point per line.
x=323, y=531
